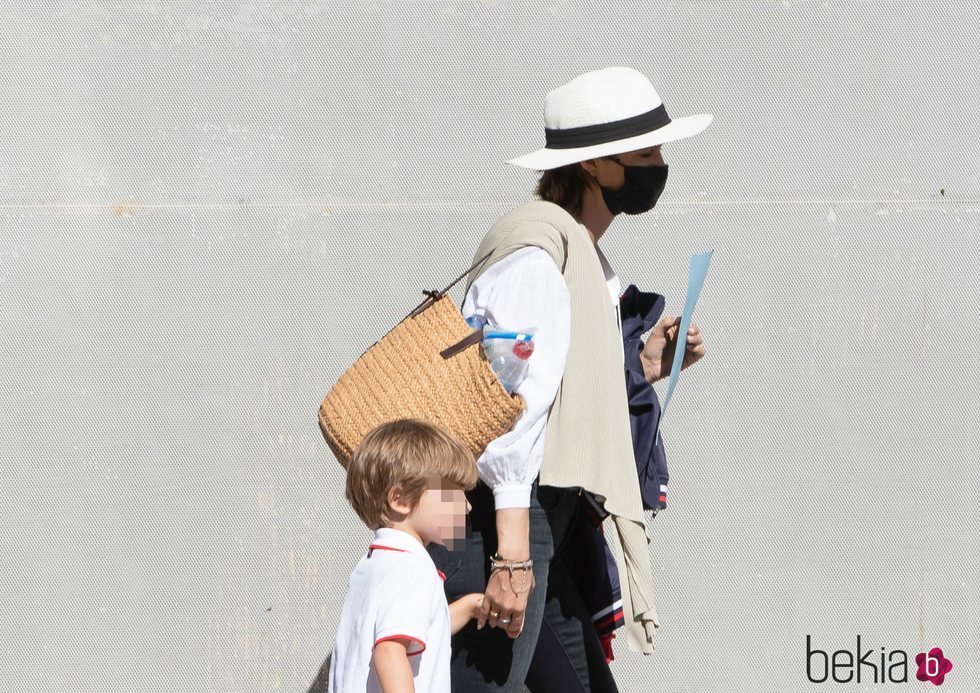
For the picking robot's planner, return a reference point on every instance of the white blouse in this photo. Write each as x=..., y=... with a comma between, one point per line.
x=526, y=291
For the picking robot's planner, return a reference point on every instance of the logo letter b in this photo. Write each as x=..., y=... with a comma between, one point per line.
x=809, y=663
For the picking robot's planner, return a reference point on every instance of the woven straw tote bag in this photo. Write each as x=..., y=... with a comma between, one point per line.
x=430, y=367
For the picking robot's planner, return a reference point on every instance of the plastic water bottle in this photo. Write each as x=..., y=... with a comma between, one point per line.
x=508, y=354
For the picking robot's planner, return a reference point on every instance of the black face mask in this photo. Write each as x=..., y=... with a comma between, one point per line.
x=639, y=193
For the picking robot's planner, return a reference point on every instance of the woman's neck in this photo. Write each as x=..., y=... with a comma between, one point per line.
x=595, y=216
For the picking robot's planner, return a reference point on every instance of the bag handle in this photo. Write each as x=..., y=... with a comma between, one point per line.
x=433, y=296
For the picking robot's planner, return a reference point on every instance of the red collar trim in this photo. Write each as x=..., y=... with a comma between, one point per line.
x=385, y=548
x=381, y=547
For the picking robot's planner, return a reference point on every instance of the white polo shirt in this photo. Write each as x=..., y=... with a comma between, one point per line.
x=395, y=591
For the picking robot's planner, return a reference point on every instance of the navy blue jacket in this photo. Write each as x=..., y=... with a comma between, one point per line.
x=639, y=312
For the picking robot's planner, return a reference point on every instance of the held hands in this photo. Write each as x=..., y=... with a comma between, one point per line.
x=658, y=353
x=505, y=600
x=463, y=610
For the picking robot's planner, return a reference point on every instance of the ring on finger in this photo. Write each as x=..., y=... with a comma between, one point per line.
x=504, y=621
x=495, y=614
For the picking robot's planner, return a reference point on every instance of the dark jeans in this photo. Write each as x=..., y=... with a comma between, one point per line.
x=558, y=649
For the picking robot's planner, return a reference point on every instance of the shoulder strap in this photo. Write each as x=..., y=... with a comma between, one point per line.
x=433, y=296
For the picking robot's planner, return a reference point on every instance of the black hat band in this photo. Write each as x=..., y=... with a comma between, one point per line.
x=588, y=135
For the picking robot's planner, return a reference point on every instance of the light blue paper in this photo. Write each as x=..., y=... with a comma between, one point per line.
x=695, y=280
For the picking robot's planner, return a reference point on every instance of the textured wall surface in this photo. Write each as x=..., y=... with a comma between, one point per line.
x=209, y=209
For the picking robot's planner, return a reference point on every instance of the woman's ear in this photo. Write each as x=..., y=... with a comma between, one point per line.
x=591, y=167
x=397, y=501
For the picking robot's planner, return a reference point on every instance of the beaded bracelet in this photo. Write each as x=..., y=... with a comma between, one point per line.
x=498, y=563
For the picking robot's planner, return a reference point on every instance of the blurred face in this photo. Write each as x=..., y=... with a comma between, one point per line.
x=440, y=515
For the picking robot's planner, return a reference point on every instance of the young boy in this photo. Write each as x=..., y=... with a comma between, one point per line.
x=405, y=481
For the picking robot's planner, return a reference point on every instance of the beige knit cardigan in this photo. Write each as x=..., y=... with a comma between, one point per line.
x=588, y=443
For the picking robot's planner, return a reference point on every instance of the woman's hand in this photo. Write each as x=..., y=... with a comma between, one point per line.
x=657, y=356
x=505, y=601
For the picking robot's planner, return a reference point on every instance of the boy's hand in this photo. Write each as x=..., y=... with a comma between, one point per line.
x=463, y=610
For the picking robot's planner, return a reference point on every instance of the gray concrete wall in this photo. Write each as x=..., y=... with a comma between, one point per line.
x=208, y=210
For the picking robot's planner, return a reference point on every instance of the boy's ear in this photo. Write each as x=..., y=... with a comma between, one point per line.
x=397, y=501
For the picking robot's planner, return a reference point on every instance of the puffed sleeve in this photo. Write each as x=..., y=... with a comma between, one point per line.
x=525, y=290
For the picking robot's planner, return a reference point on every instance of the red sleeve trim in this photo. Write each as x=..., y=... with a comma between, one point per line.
x=404, y=637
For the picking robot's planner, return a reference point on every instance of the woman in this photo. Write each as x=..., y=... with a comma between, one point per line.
x=545, y=271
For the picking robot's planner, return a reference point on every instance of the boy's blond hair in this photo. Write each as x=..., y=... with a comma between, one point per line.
x=405, y=453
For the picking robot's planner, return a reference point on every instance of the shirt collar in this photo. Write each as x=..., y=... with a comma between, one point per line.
x=388, y=538
x=612, y=279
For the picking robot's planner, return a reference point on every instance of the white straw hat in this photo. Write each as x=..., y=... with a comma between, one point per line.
x=605, y=112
